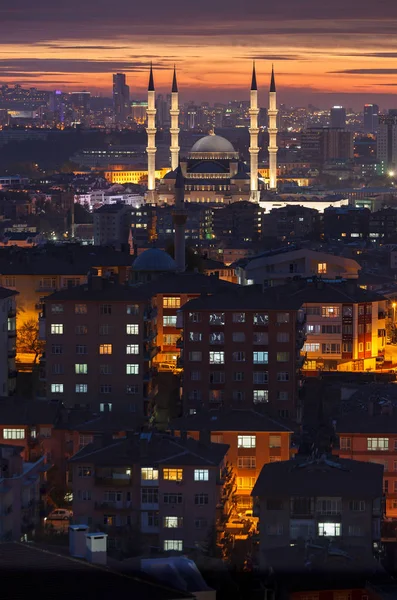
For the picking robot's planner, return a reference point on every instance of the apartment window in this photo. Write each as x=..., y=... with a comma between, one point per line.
x=57, y=328
x=57, y=369
x=81, y=388
x=173, y=474
x=173, y=545
x=361, y=310
x=194, y=395
x=105, y=389
x=84, y=440
x=57, y=388
x=81, y=330
x=261, y=319
x=377, y=443
x=169, y=321
x=361, y=347
x=282, y=336
x=361, y=328
x=283, y=376
x=282, y=395
x=195, y=336
x=246, y=462
x=84, y=471
x=357, y=505
x=274, y=441
x=171, y=302
x=133, y=309
x=217, y=377
x=322, y=268
x=105, y=349
x=217, y=438
x=81, y=369
x=84, y=494
x=201, y=499
x=149, y=474
x=283, y=317
x=132, y=349
x=311, y=348
x=260, y=337
x=201, y=474
x=217, y=319
x=81, y=349
x=329, y=506
x=282, y=356
x=347, y=329
x=238, y=356
x=149, y=495
x=238, y=395
x=69, y=282
x=275, y=529
x=201, y=523
x=105, y=329
x=245, y=483
x=132, y=329
x=132, y=369
x=329, y=529
x=260, y=377
x=195, y=356
x=238, y=317
x=368, y=346
x=345, y=443
x=330, y=312
x=347, y=347
x=195, y=375
x=55, y=308
x=217, y=358
x=260, y=358
x=238, y=376
x=331, y=348
x=132, y=389
x=13, y=434
x=56, y=349
x=195, y=317
x=106, y=309
x=173, y=498
x=238, y=336
x=171, y=522
x=313, y=311
x=246, y=441
x=80, y=309
x=260, y=396
x=330, y=329
x=105, y=369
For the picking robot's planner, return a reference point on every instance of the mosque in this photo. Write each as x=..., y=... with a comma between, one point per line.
x=213, y=171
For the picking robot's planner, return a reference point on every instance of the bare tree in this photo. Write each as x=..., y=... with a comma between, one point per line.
x=28, y=340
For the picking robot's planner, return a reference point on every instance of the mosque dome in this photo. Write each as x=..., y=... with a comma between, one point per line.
x=213, y=143
x=154, y=259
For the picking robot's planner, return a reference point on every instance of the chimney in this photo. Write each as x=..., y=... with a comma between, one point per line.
x=77, y=542
x=96, y=548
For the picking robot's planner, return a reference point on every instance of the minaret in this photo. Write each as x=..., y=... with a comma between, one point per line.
x=272, y=129
x=179, y=216
x=254, y=131
x=151, y=140
x=174, y=112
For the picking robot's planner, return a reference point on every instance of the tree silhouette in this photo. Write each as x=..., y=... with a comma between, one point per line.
x=28, y=340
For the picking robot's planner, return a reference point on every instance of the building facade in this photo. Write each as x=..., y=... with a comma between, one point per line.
x=8, y=334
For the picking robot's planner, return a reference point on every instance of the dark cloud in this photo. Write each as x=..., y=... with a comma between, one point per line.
x=374, y=71
x=14, y=66
x=77, y=46
x=275, y=57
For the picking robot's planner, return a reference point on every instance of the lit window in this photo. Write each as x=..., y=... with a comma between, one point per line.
x=173, y=474
x=132, y=369
x=260, y=358
x=13, y=434
x=171, y=302
x=105, y=349
x=246, y=441
x=261, y=319
x=132, y=349
x=149, y=474
x=201, y=474
x=84, y=471
x=282, y=356
x=377, y=444
x=195, y=317
x=81, y=388
x=245, y=483
x=311, y=348
x=132, y=329
x=195, y=336
x=171, y=522
x=57, y=328
x=322, y=268
x=133, y=309
x=330, y=312
x=217, y=358
x=57, y=388
x=169, y=321
x=81, y=369
x=217, y=319
x=173, y=545
x=274, y=441
x=260, y=396
x=80, y=309
x=329, y=529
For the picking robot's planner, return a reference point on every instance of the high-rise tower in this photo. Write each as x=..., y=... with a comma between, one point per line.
x=151, y=140
x=272, y=129
x=254, y=131
x=174, y=131
x=179, y=216
x=121, y=98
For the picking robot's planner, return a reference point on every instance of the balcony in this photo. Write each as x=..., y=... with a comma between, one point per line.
x=115, y=480
x=113, y=505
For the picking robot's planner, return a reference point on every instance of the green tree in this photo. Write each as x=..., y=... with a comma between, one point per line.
x=28, y=340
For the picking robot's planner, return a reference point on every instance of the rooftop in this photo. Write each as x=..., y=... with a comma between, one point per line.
x=6, y=293
x=32, y=412
x=228, y=420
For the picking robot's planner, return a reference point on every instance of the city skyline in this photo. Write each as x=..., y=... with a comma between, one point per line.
x=324, y=55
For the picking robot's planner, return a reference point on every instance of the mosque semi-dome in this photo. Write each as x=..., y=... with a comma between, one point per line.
x=213, y=143
x=154, y=259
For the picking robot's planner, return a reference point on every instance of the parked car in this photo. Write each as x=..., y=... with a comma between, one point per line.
x=59, y=514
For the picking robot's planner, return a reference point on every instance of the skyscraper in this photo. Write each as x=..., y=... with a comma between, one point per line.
x=338, y=117
x=386, y=142
x=371, y=118
x=121, y=98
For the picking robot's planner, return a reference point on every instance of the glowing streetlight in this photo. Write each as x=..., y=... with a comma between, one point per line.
x=391, y=173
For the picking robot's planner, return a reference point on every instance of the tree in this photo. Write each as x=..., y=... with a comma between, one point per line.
x=28, y=340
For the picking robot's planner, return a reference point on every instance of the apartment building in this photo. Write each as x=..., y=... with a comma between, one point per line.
x=8, y=334
x=254, y=439
x=161, y=491
x=20, y=493
x=317, y=501
x=345, y=326
x=100, y=345
x=112, y=224
x=242, y=349
x=371, y=436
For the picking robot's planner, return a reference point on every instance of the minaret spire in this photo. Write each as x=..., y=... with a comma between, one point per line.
x=272, y=129
x=151, y=139
x=174, y=130
x=254, y=131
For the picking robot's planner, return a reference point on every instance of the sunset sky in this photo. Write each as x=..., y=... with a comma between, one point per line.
x=325, y=52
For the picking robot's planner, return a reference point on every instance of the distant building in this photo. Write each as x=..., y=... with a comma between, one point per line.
x=321, y=144
x=346, y=223
x=386, y=143
x=121, y=98
x=111, y=225
x=290, y=223
x=338, y=117
x=371, y=118
x=8, y=334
